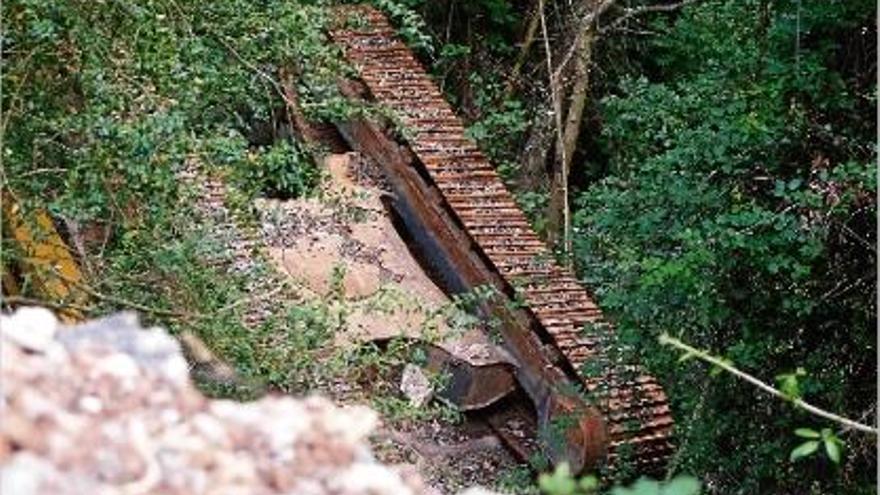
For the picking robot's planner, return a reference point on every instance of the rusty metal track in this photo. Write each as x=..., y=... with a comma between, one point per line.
x=464, y=191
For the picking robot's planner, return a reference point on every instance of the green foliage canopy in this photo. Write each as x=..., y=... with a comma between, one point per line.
x=739, y=212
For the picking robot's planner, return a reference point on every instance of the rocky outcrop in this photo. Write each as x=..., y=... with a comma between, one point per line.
x=108, y=407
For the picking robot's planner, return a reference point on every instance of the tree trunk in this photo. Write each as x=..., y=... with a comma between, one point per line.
x=533, y=176
x=559, y=221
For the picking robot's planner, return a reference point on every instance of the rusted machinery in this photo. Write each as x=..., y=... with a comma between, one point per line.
x=593, y=407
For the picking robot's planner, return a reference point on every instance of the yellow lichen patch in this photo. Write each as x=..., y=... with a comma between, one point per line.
x=46, y=261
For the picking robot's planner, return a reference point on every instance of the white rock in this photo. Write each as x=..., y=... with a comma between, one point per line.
x=154, y=430
x=117, y=365
x=477, y=490
x=25, y=474
x=353, y=423
x=372, y=479
x=91, y=404
x=31, y=328
x=415, y=385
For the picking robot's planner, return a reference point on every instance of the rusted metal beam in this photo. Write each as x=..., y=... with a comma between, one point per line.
x=473, y=382
x=421, y=206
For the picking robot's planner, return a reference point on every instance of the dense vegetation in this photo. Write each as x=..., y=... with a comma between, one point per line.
x=722, y=186
x=725, y=193
x=737, y=210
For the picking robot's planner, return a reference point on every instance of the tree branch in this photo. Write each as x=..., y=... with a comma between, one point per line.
x=91, y=291
x=629, y=13
x=581, y=29
x=528, y=40
x=665, y=339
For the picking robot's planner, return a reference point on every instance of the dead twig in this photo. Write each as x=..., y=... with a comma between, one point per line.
x=525, y=48
x=134, y=305
x=581, y=29
x=45, y=170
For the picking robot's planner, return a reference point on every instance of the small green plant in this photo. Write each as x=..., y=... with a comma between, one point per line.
x=283, y=170
x=680, y=485
x=337, y=281
x=500, y=125
x=789, y=383
x=517, y=480
x=827, y=438
x=410, y=25
x=562, y=482
x=534, y=204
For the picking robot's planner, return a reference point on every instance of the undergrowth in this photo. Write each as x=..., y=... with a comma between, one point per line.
x=106, y=104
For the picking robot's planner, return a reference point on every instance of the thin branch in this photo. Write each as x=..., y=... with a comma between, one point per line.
x=867, y=245
x=295, y=115
x=528, y=41
x=557, y=103
x=48, y=170
x=429, y=450
x=554, y=90
x=250, y=65
x=449, y=18
x=638, y=32
x=629, y=13
x=91, y=291
x=834, y=292
x=665, y=339
x=131, y=304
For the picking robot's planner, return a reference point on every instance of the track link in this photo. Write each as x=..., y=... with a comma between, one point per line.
x=633, y=404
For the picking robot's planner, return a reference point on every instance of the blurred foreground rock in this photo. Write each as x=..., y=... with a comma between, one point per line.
x=108, y=407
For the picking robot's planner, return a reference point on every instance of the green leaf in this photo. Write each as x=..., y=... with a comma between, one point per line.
x=561, y=482
x=832, y=448
x=643, y=486
x=806, y=433
x=788, y=384
x=681, y=485
x=589, y=483
x=804, y=450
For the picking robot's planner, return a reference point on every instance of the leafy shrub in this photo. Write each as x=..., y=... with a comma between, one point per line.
x=282, y=170
x=739, y=213
x=103, y=103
